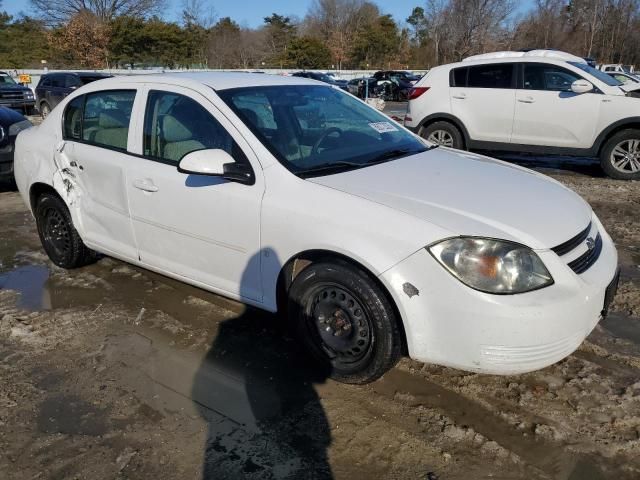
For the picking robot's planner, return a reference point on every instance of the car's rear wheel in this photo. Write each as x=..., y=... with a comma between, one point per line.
x=620, y=156
x=58, y=236
x=344, y=320
x=443, y=133
x=45, y=109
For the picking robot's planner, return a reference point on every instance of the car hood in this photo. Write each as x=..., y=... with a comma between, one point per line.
x=629, y=87
x=469, y=194
x=9, y=117
x=13, y=88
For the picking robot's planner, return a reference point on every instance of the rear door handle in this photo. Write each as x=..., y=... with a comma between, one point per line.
x=145, y=185
x=460, y=96
x=526, y=100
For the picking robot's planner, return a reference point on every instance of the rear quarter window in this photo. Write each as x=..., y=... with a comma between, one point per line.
x=495, y=75
x=458, y=77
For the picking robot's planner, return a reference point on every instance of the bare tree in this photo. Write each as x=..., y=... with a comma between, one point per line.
x=338, y=22
x=198, y=12
x=60, y=11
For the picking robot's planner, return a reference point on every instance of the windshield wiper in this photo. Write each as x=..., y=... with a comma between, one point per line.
x=392, y=154
x=333, y=167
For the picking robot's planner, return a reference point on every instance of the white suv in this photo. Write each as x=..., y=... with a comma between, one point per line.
x=540, y=101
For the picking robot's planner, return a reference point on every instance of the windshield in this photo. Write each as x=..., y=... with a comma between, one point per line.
x=87, y=79
x=313, y=130
x=6, y=79
x=603, y=77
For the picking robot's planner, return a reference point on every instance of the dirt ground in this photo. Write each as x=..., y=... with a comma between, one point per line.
x=113, y=372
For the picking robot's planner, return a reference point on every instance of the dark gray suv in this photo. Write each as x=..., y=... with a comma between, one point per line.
x=53, y=87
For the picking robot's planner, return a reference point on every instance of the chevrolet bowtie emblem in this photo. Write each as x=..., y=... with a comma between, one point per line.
x=591, y=243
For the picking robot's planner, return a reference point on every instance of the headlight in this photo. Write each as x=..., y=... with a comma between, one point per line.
x=18, y=127
x=492, y=266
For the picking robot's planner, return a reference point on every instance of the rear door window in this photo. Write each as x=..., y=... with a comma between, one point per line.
x=71, y=81
x=106, y=116
x=495, y=75
x=57, y=81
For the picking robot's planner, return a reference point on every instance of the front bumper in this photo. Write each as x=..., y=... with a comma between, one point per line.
x=18, y=104
x=448, y=323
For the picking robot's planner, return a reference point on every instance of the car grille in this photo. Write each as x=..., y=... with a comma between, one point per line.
x=594, y=247
x=584, y=261
x=11, y=96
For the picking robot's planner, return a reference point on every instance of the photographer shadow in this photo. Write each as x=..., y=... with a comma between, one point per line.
x=255, y=390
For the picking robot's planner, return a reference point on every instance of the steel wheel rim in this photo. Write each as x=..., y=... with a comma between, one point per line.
x=56, y=232
x=625, y=156
x=45, y=111
x=338, y=323
x=441, y=137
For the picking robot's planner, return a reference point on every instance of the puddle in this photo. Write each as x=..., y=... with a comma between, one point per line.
x=30, y=282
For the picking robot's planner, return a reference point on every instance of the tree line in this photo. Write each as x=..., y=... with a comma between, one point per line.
x=340, y=34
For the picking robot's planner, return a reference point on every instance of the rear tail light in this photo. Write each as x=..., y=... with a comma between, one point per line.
x=415, y=92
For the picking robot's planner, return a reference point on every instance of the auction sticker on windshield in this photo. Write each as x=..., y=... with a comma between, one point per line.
x=383, y=127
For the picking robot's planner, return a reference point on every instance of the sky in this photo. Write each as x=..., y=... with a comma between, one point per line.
x=251, y=12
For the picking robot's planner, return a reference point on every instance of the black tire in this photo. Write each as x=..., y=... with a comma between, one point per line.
x=344, y=320
x=58, y=236
x=449, y=131
x=45, y=109
x=614, y=163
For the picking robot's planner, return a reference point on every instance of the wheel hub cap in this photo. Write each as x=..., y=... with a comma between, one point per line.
x=56, y=233
x=625, y=157
x=441, y=137
x=341, y=323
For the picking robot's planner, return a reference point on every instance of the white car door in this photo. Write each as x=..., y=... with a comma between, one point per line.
x=483, y=98
x=548, y=113
x=204, y=229
x=94, y=155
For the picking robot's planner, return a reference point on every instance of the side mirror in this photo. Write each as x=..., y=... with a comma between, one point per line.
x=581, y=86
x=205, y=162
x=215, y=162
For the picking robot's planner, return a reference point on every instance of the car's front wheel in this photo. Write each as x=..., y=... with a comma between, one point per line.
x=443, y=133
x=59, y=237
x=620, y=156
x=45, y=109
x=344, y=320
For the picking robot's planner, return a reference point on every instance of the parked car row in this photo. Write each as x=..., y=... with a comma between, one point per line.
x=545, y=101
x=322, y=77
x=390, y=85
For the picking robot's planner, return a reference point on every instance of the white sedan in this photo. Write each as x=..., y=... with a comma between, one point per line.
x=292, y=196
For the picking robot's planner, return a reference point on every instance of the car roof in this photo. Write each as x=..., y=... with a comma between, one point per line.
x=215, y=80
x=80, y=74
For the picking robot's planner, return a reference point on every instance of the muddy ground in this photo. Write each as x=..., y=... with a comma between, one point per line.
x=110, y=371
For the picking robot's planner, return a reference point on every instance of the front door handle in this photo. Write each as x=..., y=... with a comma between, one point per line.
x=526, y=100
x=145, y=185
